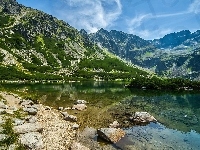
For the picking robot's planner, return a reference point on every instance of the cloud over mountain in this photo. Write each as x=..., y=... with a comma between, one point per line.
x=89, y=15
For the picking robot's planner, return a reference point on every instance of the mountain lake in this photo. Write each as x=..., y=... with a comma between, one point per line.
x=178, y=113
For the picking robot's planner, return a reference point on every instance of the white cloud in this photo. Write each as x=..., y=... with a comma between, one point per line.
x=150, y=34
x=137, y=21
x=90, y=15
x=194, y=7
x=136, y=25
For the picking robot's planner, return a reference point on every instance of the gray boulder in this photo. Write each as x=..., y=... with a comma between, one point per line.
x=75, y=126
x=18, y=121
x=68, y=117
x=81, y=102
x=79, y=107
x=26, y=102
x=115, y=124
x=30, y=110
x=32, y=119
x=89, y=133
x=143, y=117
x=31, y=140
x=28, y=127
x=111, y=134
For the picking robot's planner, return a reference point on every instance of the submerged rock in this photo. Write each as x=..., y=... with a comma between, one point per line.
x=111, y=134
x=143, y=117
x=89, y=133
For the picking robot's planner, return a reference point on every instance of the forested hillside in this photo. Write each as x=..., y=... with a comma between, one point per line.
x=35, y=45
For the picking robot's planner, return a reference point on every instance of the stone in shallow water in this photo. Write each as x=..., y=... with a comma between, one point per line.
x=143, y=117
x=111, y=134
x=89, y=132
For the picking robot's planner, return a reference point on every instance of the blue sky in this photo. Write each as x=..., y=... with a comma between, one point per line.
x=148, y=19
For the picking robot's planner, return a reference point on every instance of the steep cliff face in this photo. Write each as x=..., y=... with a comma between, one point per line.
x=118, y=42
x=35, y=45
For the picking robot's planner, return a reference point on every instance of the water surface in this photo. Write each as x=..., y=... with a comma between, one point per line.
x=178, y=113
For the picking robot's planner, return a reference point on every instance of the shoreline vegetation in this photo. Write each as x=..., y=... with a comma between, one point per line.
x=156, y=83
x=144, y=83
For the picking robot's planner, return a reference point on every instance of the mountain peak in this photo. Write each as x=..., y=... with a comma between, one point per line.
x=10, y=6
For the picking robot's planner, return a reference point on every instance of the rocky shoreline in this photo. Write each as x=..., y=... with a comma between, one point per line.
x=42, y=127
x=37, y=126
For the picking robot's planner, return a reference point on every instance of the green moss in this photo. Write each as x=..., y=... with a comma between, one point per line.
x=11, y=137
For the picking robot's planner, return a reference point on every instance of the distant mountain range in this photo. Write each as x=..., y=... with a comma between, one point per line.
x=174, y=55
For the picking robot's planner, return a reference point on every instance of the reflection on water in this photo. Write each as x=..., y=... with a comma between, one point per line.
x=157, y=136
x=178, y=113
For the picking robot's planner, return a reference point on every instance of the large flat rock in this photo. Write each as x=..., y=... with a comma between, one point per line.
x=111, y=134
x=28, y=127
